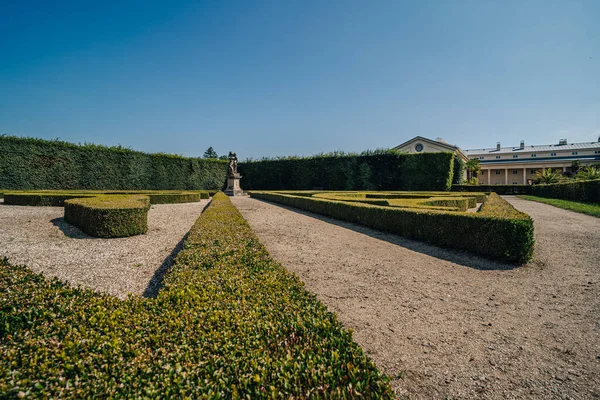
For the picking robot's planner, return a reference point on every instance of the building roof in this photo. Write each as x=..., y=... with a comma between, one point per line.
x=545, y=147
x=439, y=142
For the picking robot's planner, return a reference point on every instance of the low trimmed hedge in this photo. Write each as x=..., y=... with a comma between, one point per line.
x=498, y=231
x=105, y=214
x=432, y=200
x=171, y=198
x=229, y=323
x=499, y=189
x=109, y=216
x=479, y=197
x=461, y=203
x=582, y=191
x=57, y=198
x=41, y=199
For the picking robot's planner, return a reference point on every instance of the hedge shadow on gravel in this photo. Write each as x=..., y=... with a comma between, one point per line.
x=70, y=230
x=156, y=283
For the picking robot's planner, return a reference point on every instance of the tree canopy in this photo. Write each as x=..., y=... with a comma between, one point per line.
x=210, y=153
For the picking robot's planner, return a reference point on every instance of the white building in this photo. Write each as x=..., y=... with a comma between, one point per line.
x=514, y=165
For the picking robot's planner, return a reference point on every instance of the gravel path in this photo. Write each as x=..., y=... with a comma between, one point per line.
x=39, y=238
x=446, y=324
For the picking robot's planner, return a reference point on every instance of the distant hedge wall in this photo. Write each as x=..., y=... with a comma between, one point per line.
x=584, y=191
x=377, y=171
x=499, y=189
x=27, y=163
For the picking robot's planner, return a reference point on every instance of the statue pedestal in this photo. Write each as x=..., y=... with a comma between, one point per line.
x=233, y=185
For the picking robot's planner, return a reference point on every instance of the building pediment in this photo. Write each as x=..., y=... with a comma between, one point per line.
x=421, y=144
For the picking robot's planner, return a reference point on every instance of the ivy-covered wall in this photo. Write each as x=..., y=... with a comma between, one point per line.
x=380, y=170
x=27, y=163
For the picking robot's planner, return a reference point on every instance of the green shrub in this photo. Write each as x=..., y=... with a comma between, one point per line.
x=459, y=170
x=172, y=198
x=406, y=200
x=460, y=203
x=57, y=198
x=109, y=216
x=479, y=197
x=582, y=191
x=498, y=231
x=370, y=171
x=32, y=164
x=230, y=323
x=499, y=189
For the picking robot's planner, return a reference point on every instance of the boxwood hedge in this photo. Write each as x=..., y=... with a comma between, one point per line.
x=380, y=170
x=57, y=198
x=104, y=214
x=109, y=216
x=498, y=231
x=32, y=164
x=446, y=202
x=230, y=322
x=499, y=189
x=582, y=191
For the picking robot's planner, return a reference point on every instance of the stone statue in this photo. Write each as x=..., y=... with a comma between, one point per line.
x=233, y=178
x=233, y=163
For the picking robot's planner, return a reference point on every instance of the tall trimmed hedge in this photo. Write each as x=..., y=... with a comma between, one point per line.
x=499, y=189
x=584, y=191
x=27, y=163
x=459, y=170
x=373, y=171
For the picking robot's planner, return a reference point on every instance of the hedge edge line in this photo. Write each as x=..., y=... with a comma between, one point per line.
x=229, y=323
x=498, y=232
x=110, y=216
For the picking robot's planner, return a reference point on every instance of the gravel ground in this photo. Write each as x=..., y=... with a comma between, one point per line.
x=446, y=324
x=39, y=238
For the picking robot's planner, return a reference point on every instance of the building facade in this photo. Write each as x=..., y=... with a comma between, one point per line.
x=518, y=165
x=514, y=165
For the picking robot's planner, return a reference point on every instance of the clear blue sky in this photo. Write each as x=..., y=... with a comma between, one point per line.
x=284, y=77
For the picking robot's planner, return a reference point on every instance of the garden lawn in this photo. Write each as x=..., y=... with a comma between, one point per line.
x=230, y=323
x=584, y=208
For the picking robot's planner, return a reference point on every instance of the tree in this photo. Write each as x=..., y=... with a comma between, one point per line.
x=210, y=153
x=588, y=174
x=547, y=176
x=473, y=168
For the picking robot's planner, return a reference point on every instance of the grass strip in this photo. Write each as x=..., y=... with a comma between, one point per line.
x=592, y=209
x=229, y=323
